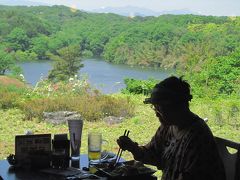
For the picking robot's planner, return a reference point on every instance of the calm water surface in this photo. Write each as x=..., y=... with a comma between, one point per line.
x=107, y=77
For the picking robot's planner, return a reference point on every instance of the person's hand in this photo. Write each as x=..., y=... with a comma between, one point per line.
x=125, y=143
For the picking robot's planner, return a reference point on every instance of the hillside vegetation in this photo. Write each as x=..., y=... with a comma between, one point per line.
x=164, y=41
x=204, y=49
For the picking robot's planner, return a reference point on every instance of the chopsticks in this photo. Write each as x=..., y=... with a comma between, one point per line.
x=119, y=154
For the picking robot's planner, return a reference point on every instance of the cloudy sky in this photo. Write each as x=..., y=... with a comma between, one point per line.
x=207, y=7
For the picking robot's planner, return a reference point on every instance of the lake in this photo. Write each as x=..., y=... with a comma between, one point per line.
x=107, y=77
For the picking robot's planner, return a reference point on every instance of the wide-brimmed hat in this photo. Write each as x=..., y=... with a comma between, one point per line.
x=165, y=93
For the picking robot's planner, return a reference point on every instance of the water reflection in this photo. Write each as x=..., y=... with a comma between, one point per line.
x=109, y=78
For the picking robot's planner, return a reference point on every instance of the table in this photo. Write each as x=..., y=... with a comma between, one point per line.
x=7, y=172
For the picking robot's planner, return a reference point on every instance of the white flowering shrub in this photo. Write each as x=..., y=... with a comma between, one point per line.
x=75, y=85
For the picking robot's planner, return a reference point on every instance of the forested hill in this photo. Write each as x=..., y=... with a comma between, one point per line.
x=30, y=33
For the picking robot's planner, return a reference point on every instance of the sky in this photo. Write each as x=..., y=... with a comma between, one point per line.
x=206, y=7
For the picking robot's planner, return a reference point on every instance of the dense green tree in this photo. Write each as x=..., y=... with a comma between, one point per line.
x=40, y=46
x=21, y=56
x=6, y=62
x=18, y=39
x=66, y=64
x=224, y=73
x=151, y=41
x=194, y=45
x=136, y=86
x=220, y=75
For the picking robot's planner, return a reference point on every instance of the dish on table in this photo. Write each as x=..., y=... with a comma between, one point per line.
x=128, y=168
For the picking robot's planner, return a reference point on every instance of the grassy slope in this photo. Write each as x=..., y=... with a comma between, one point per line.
x=142, y=127
x=6, y=81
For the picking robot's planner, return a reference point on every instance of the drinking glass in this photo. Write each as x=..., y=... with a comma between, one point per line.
x=94, y=146
x=75, y=130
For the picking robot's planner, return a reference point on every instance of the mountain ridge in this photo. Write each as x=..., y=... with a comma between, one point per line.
x=139, y=11
x=123, y=11
x=22, y=3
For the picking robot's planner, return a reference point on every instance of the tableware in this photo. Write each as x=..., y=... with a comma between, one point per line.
x=75, y=130
x=131, y=169
x=60, y=151
x=119, y=154
x=94, y=145
x=95, y=153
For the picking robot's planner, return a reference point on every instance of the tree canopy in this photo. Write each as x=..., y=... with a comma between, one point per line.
x=164, y=41
x=202, y=48
x=66, y=64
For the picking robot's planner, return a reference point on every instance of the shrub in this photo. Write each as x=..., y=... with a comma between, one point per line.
x=92, y=108
x=10, y=95
x=75, y=85
x=8, y=99
x=219, y=111
x=135, y=86
x=218, y=76
x=74, y=95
